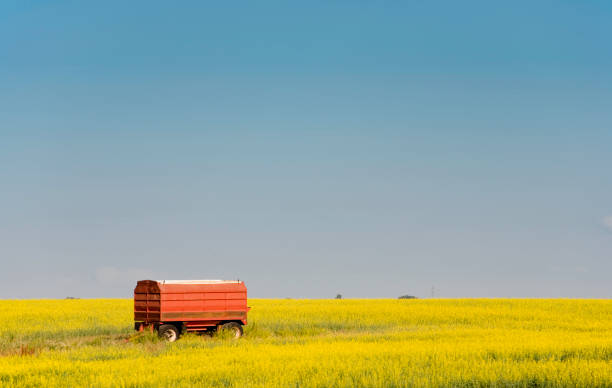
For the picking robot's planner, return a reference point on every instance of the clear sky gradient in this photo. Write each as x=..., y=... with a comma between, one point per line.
x=309, y=148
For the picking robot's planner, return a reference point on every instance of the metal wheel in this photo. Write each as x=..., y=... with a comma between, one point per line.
x=168, y=332
x=234, y=328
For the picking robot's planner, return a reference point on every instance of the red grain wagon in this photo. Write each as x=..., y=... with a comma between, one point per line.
x=175, y=306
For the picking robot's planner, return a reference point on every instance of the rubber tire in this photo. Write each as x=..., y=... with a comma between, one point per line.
x=233, y=326
x=168, y=332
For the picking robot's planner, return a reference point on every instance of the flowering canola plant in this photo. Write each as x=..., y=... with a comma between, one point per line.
x=316, y=343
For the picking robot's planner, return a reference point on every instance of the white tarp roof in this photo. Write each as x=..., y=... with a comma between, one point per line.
x=203, y=281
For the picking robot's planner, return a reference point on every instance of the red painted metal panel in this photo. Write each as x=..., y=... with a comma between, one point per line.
x=196, y=304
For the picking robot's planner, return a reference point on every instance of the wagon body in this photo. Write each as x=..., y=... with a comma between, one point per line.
x=190, y=305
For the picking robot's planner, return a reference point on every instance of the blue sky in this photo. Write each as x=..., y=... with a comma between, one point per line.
x=368, y=149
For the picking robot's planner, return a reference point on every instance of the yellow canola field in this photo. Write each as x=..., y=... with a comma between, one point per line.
x=316, y=343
